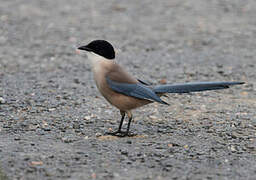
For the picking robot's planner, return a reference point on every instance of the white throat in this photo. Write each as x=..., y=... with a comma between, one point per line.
x=95, y=60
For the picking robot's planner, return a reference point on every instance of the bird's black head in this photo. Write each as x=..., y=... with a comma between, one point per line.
x=100, y=47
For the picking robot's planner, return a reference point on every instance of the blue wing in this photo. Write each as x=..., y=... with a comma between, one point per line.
x=139, y=90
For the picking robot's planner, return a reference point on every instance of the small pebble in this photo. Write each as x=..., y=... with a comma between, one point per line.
x=87, y=117
x=76, y=80
x=51, y=109
x=98, y=134
x=2, y=100
x=152, y=117
x=17, y=138
x=232, y=148
x=68, y=139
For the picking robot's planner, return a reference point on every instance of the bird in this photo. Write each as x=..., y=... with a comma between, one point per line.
x=126, y=92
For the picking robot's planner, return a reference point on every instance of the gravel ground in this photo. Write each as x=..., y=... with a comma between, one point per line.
x=53, y=120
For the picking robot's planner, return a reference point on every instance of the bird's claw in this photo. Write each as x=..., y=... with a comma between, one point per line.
x=121, y=134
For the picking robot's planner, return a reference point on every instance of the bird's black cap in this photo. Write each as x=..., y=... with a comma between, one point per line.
x=100, y=47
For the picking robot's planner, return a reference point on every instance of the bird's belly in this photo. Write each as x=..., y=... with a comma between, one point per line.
x=124, y=102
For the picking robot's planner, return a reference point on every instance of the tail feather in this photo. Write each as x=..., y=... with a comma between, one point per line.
x=193, y=87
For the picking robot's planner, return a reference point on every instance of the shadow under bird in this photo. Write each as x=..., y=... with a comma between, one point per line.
x=126, y=92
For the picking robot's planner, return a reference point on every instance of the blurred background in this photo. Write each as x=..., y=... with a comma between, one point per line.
x=51, y=115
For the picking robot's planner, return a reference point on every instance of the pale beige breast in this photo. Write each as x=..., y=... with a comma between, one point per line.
x=116, y=73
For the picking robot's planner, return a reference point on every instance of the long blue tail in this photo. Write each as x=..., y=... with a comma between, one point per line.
x=193, y=87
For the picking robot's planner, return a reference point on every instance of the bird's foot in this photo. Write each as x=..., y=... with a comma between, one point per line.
x=121, y=134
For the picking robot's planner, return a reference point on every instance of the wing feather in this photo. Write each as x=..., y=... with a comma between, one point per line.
x=137, y=90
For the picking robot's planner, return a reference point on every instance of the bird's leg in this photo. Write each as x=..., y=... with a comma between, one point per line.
x=121, y=122
x=116, y=133
x=119, y=132
x=126, y=133
x=129, y=114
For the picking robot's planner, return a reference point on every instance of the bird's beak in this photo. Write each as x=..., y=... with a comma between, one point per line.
x=85, y=48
